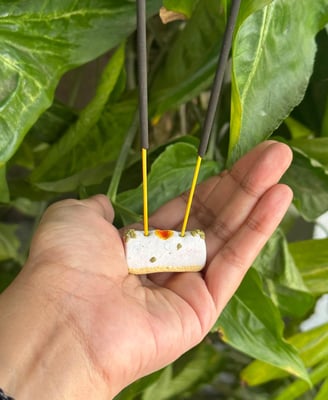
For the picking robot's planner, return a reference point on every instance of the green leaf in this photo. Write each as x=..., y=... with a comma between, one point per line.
x=48, y=129
x=252, y=324
x=51, y=124
x=40, y=41
x=297, y=388
x=189, y=65
x=5, y=279
x=79, y=134
x=200, y=365
x=309, y=182
x=274, y=48
x=170, y=175
x=134, y=390
x=185, y=7
x=311, y=258
x=249, y=7
x=313, y=109
x=312, y=346
x=314, y=148
x=282, y=279
x=9, y=243
x=92, y=159
x=323, y=392
x=298, y=131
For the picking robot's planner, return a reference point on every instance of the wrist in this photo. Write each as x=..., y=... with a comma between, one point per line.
x=40, y=355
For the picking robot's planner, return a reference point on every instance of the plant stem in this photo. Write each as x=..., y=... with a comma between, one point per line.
x=121, y=161
x=183, y=119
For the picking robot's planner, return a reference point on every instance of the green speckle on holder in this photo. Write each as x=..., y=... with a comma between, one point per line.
x=130, y=234
x=153, y=259
x=198, y=232
x=179, y=246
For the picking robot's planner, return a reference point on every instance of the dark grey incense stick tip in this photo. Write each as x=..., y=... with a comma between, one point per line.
x=217, y=85
x=142, y=72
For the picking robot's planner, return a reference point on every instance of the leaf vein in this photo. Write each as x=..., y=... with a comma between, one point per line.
x=267, y=14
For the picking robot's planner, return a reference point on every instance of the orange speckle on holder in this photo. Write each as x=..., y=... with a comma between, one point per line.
x=163, y=234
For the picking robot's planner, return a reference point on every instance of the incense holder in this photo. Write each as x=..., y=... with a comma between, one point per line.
x=164, y=251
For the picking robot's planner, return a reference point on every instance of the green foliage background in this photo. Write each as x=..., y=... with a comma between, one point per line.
x=51, y=148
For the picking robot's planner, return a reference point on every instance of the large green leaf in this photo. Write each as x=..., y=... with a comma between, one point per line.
x=252, y=324
x=282, y=279
x=40, y=40
x=311, y=258
x=170, y=175
x=273, y=56
x=309, y=182
x=312, y=346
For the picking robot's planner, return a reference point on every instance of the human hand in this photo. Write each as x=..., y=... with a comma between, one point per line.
x=82, y=327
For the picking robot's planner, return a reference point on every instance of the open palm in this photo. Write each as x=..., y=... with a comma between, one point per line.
x=129, y=326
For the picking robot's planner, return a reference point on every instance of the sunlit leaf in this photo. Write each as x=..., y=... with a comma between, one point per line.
x=273, y=56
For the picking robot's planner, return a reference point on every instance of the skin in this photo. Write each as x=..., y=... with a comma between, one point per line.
x=74, y=324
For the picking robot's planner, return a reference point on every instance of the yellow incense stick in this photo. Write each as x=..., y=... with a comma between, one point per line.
x=191, y=195
x=145, y=190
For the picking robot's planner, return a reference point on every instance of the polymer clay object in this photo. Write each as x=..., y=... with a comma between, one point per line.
x=164, y=251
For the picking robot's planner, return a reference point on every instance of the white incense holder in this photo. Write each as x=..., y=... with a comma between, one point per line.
x=164, y=251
